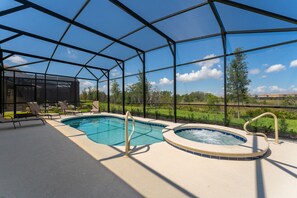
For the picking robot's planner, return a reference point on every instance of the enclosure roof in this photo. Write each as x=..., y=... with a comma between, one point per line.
x=80, y=36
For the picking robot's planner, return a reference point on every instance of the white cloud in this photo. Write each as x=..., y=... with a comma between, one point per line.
x=293, y=63
x=165, y=81
x=275, y=68
x=293, y=88
x=162, y=81
x=103, y=88
x=127, y=85
x=153, y=83
x=275, y=88
x=114, y=73
x=71, y=53
x=17, y=59
x=204, y=73
x=260, y=89
x=85, y=84
x=254, y=71
x=209, y=63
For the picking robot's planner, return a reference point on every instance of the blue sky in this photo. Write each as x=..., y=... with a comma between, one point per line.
x=271, y=70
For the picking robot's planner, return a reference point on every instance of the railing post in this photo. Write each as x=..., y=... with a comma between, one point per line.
x=127, y=137
x=127, y=145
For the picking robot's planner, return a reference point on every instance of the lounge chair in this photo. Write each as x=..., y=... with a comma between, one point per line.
x=35, y=109
x=65, y=109
x=95, y=107
x=19, y=120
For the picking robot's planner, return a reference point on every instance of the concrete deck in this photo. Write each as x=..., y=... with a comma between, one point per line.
x=38, y=161
x=157, y=170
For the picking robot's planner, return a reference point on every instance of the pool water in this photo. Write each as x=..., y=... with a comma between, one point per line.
x=111, y=130
x=209, y=136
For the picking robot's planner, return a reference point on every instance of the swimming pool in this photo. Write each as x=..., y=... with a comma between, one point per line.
x=111, y=130
x=209, y=136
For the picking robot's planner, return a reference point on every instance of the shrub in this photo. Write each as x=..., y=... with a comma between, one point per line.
x=283, y=127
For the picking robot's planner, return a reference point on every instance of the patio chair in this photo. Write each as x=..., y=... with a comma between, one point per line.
x=35, y=109
x=95, y=107
x=19, y=120
x=65, y=109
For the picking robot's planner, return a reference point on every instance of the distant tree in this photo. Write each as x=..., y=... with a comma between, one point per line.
x=135, y=91
x=84, y=94
x=237, y=79
x=196, y=96
x=115, y=91
x=165, y=97
x=212, y=100
x=289, y=101
x=90, y=93
x=187, y=98
x=102, y=96
x=154, y=96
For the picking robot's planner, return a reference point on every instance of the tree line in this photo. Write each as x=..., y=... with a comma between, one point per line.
x=237, y=89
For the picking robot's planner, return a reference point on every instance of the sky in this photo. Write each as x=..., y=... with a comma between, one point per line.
x=271, y=70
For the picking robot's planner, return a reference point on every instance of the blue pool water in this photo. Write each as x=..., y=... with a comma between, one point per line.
x=111, y=130
x=209, y=136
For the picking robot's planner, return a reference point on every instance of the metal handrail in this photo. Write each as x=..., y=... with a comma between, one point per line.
x=128, y=139
x=262, y=134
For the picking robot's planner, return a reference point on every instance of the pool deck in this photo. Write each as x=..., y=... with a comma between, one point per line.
x=40, y=159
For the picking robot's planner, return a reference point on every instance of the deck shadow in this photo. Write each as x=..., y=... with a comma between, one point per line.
x=277, y=164
x=259, y=172
x=165, y=179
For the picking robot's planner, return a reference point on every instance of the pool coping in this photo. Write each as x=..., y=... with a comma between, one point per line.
x=253, y=148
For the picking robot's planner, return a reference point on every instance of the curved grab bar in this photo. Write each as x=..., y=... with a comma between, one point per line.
x=262, y=134
x=128, y=139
